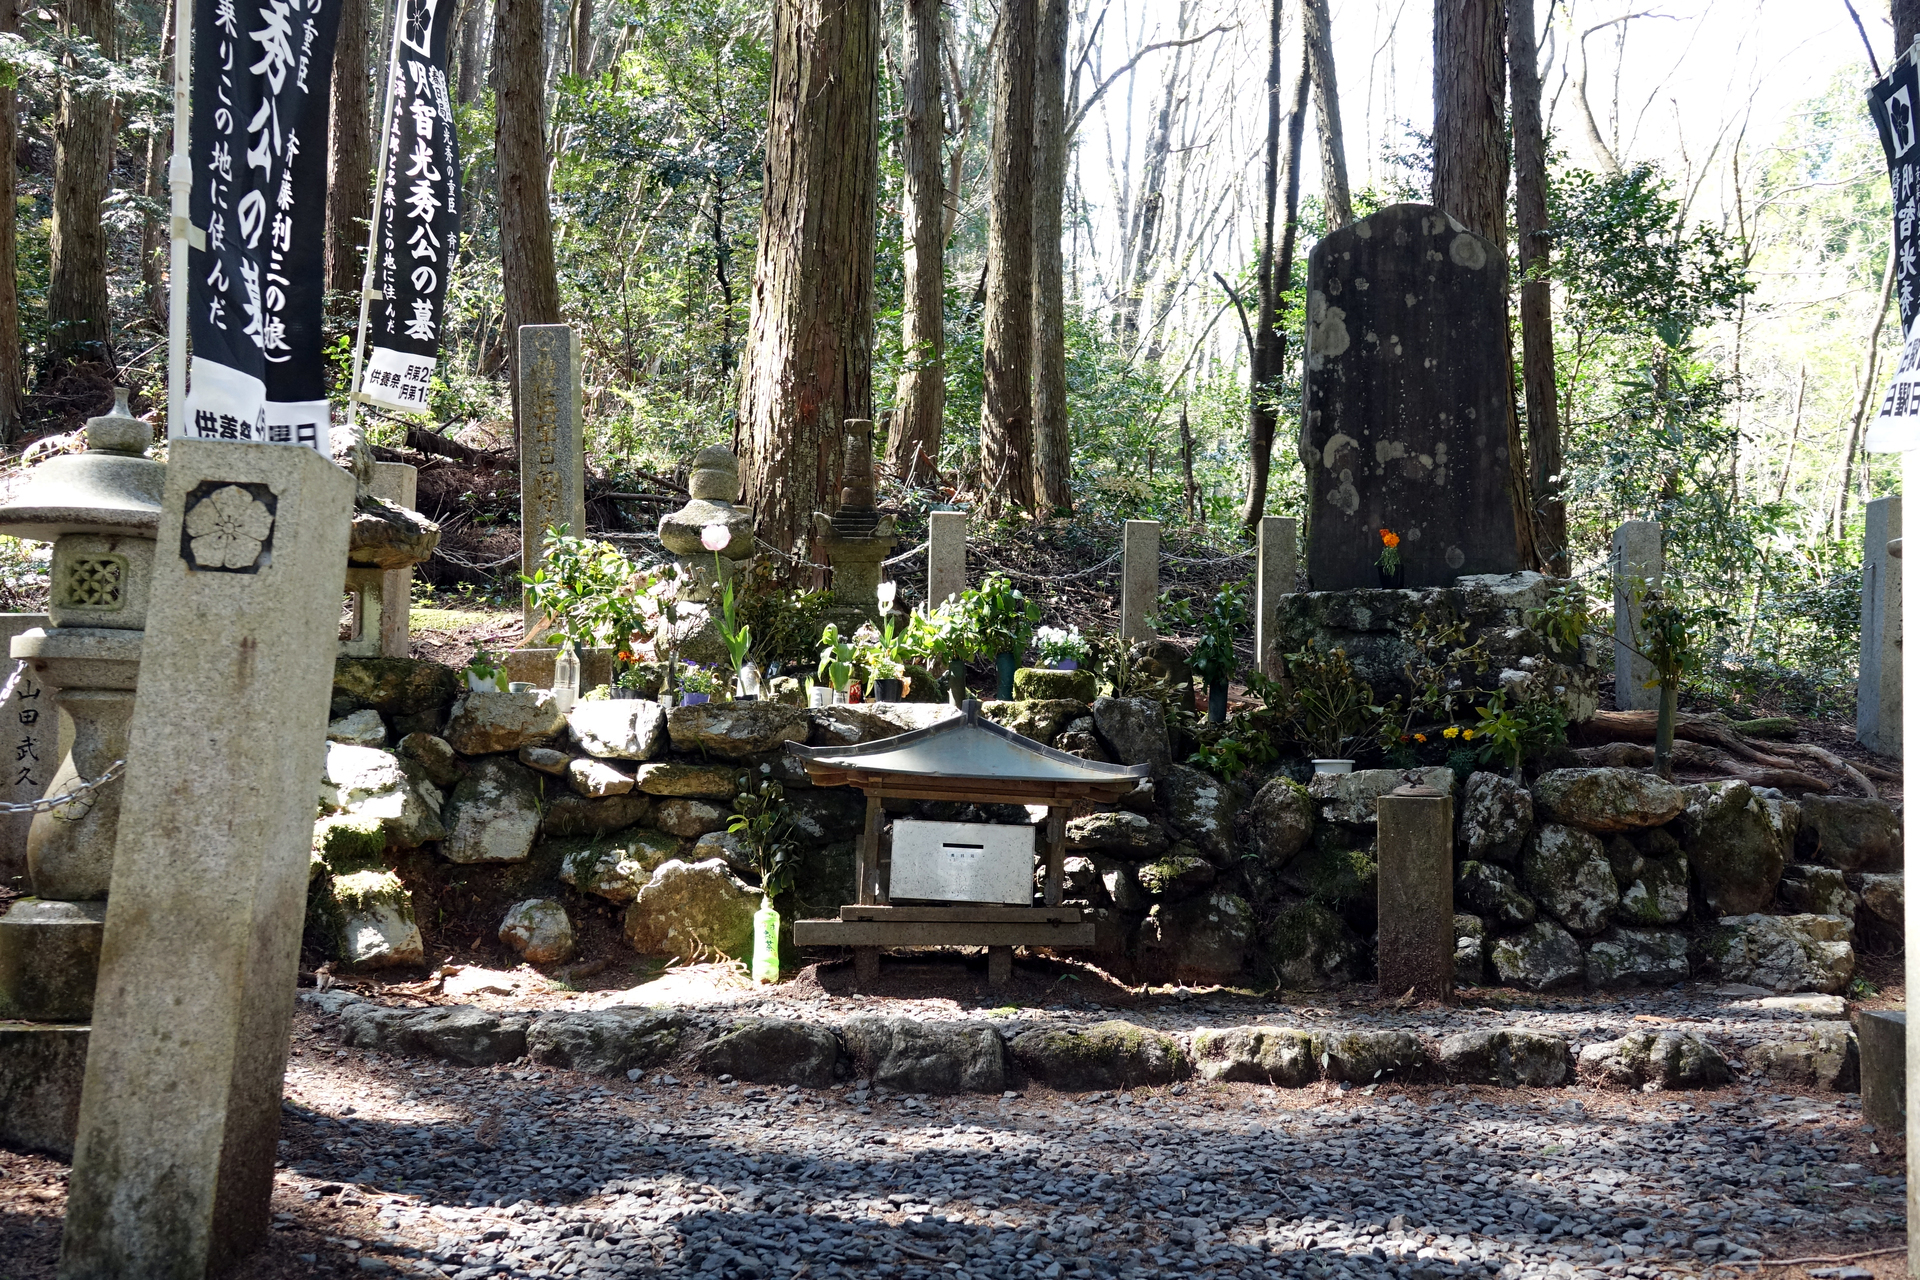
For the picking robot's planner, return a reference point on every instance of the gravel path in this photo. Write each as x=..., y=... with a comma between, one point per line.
x=404, y=1166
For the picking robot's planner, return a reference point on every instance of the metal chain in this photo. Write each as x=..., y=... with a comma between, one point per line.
x=49, y=804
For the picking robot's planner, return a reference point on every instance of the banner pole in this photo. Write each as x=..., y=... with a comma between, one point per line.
x=395, y=16
x=180, y=182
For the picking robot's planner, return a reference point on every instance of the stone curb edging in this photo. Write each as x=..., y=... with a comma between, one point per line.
x=905, y=1055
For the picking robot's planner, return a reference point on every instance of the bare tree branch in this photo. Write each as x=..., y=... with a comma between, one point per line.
x=1081, y=113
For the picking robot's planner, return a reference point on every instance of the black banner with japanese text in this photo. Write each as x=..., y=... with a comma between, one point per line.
x=258, y=142
x=1892, y=103
x=418, y=211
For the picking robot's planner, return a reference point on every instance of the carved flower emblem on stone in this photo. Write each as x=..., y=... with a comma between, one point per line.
x=227, y=528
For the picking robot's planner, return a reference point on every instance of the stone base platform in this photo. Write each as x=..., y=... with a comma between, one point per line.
x=42, y=1066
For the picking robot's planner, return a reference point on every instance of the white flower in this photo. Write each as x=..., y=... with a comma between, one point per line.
x=715, y=537
x=227, y=527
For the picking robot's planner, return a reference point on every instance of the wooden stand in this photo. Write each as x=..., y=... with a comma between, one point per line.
x=867, y=929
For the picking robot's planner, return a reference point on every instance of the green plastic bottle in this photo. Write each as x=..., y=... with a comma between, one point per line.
x=766, y=943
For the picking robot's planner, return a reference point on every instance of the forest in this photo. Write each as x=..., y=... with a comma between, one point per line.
x=1104, y=326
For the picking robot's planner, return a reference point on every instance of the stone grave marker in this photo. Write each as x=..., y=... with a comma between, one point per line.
x=1273, y=578
x=946, y=555
x=1877, y=721
x=1139, y=577
x=1637, y=555
x=1415, y=888
x=398, y=483
x=180, y=1112
x=553, y=487
x=1407, y=397
x=31, y=750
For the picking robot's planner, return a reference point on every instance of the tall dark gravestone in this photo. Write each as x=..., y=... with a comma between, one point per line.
x=1406, y=402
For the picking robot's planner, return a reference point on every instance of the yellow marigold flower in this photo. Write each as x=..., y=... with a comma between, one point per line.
x=1452, y=731
x=1468, y=735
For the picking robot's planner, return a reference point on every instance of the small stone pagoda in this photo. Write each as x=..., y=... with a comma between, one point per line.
x=712, y=486
x=856, y=538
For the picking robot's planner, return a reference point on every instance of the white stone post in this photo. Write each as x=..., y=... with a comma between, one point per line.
x=1637, y=555
x=398, y=483
x=946, y=556
x=1910, y=728
x=173, y=1167
x=1877, y=718
x=32, y=727
x=1278, y=563
x=553, y=485
x=1139, y=577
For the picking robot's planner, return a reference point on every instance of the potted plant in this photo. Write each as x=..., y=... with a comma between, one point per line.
x=1062, y=648
x=947, y=635
x=883, y=654
x=584, y=591
x=735, y=634
x=1004, y=619
x=632, y=683
x=1391, y=571
x=698, y=684
x=1214, y=659
x=1327, y=705
x=484, y=675
x=836, y=662
x=762, y=824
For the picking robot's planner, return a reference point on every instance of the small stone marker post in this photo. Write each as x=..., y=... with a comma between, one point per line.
x=173, y=1168
x=553, y=488
x=946, y=555
x=1408, y=388
x=1882, y=1036
x=1274, y=578
x=399, y=484
x=1910, y=865
x=1637, y=555
x=1877, y=721
x=1139, y=577
x=30, y=723
x=1416, y=893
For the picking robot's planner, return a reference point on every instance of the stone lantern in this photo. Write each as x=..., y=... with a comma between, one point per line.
x=711, y=485
x=101, y=511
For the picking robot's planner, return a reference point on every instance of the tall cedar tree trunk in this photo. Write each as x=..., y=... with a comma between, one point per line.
x=1006, y=411
x=472, y=35
x=920, y=400
x=1269, y=357
x=153, y=240
x=77, y=314
x=520, y=154
x=1536, y=294
x=1326, y=99
x=12, y=375
x=1470, y=170
x=350, y=150
x=582, y=36
x=1906, y=24
x=809, y=357
x=1052, y=444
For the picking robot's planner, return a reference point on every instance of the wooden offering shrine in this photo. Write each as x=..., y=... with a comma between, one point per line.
x=960, y=872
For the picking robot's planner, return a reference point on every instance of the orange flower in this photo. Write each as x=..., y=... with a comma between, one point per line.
x=1390, y=538
x=1419, y=737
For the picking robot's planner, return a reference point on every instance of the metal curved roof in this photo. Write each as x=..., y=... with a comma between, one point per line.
x=967, y=746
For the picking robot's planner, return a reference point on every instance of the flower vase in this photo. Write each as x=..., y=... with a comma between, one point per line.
x=695, y=699
x=1390, y=579
x=1004, y=664
x=1216, y=703
x=766, y=942
x=1066, y=664
x=957, y=684
x=1333, y=766
x=887, y=690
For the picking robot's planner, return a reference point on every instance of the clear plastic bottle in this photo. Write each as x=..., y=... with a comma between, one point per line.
x=566, y=678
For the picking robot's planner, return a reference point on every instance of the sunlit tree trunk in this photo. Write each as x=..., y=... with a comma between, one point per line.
x=1536, y=294
x=1006, y=411
x=1144, y=234
x=582, y=37
x=350, y=149
x=530, y=286
x=77, y=309
x=1052, y=444
x=153, y=240
x=809, y=357
x=920, y=400
x=473, y=30
x=12, y=374
x=1906, y=24
x=1326, y=98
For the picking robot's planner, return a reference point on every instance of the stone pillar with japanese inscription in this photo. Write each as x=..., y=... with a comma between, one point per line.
x=553, y=488
x=27, y=752
x=1406, y=402
x=180, y=1113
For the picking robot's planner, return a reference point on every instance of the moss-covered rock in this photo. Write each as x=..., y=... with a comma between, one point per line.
x=1539, y=958
x=1737, y=844
x=349, y=842
x=1280, y=820
x=1131, y=837
x=1042, y=684
x=1309, y=947
x=1496, y=817
x=1850, y=833
x=1469, y=949
x=493, y=814
x=1637, y=958
x=614, y=867
x=571, y=815
x=1042, y=720
x=1490, y=891
x=1568, y=873
x=735, y=730
x=693, y=911
x=1106, y=1055
x=490, y=723
x=1829, y=1058
x=372, y=915
x=1506, y=1058
x=1178, y=875
x=1606, y=799
x=1657, y=894
x=395, y=686
x=1256, y=1055
x=539, y=930
x=1362, y=1057
x=1665, y=1060
x=1782, y=953
x=1199, y=940
x=1820, y=891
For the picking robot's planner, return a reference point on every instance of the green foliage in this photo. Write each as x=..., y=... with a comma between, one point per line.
x=1001, y=615
x=1222, y=618
x=585, y=589
x=1564, y=620
x=1510, y=732
x=698, y=679
x=1322, y=701
x=836, y=659
x=736, y=635
x=764, y=825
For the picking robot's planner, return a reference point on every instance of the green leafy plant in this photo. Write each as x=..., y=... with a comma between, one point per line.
x=1676, y=640
x=946, y=635
x=1564, y=619
x=1225, y=616
x=1061, y=644
x=1001, y=615
x=1324, y=701
x=884, y=650
x=698, y=679
x=736, y=635
x=837, y=657
x=1511, y=730
x=483, y=670
x=764, y=825
x=584, y=588
x=1440, y=670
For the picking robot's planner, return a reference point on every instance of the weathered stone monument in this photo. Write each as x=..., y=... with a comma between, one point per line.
x=1637, y=558
x=1273, y=577
x=398, y=483
x=1877, y=719
x=27, y=717
x=553, y=488
x=173, y=1166
x=856, y=538
x=712, y=485
x=1139, y=577
x=1416, y=892
x=387, y=539
x=946, y=555
x=1407, y=398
